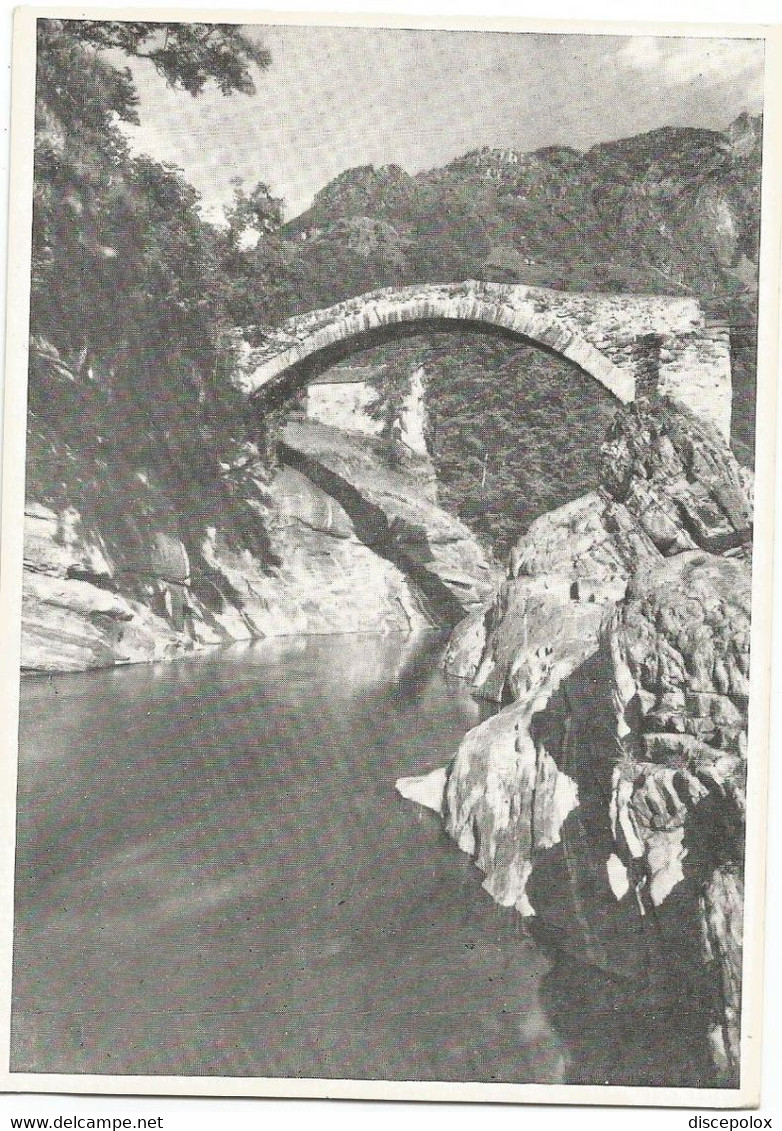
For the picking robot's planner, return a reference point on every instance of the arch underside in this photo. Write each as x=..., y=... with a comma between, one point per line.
x=542, y=329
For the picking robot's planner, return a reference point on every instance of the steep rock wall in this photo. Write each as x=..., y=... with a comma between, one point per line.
x=607, y=796
x=81, y=610
x=122, y=566
x=397, y=515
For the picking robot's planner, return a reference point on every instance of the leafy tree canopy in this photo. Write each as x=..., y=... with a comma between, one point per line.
x=255, y=211
x=186, y=55
x=127, y=278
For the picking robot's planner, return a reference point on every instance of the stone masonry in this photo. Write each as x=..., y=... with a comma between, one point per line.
x=631, y=344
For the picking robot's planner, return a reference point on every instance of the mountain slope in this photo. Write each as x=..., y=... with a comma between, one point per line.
x=676, y=208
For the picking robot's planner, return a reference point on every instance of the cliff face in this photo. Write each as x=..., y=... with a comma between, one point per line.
x=394, y=510
x=607, y=795
x=121, y=566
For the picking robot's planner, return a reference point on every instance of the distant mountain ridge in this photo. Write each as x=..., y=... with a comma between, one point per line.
x=675, y=210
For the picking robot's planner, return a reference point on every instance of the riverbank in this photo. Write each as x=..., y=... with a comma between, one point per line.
x=130, y=557
x=608, y=796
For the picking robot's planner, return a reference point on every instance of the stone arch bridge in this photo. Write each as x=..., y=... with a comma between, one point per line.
x=631, y=344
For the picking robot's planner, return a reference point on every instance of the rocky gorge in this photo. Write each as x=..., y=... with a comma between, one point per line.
x=120, y=568
x=606, y=797
x=316, y=437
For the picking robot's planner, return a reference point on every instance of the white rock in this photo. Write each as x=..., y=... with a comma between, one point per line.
x=617, y=876
x=427, y=790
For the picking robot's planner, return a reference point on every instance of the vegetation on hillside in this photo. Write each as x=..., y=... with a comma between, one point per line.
x=671, y=211
x=513, y=430
x=133, y=343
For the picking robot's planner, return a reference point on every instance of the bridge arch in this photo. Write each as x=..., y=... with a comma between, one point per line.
x=305, y=335
x=628, y=343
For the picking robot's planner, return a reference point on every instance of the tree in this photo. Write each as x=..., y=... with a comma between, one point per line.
x=104, y=225
x=256, y=212
x=127, y=277
x=186, y=55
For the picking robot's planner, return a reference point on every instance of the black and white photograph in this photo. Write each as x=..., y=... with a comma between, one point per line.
x=387, y=509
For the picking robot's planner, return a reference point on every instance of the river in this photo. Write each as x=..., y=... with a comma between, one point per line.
x=215, y=875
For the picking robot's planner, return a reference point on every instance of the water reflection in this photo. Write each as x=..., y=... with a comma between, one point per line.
x=215, y=875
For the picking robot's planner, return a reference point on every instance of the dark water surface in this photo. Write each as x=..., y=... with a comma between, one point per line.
x=215, y=875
